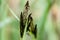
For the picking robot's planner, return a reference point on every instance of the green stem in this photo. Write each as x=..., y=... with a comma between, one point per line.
x=42, y=23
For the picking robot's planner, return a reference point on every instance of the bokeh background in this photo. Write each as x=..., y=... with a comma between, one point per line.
x=46, y=14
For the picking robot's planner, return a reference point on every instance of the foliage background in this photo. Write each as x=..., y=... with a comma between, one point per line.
x=46, y=14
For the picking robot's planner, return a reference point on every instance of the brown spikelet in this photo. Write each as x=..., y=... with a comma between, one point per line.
x=22, y=26
x=25, y=18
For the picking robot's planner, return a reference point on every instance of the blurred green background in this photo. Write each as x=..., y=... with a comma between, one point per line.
x=46, y=14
